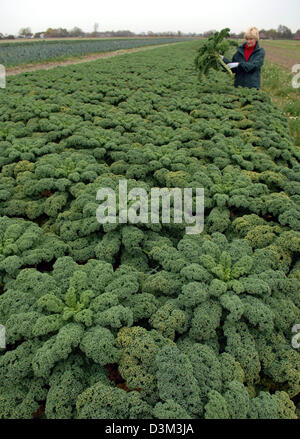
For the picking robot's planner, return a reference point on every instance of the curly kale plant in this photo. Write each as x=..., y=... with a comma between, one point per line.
x=208, y=56
x=22, y=243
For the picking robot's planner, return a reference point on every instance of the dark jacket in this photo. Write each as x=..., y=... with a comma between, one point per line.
x=247, y=74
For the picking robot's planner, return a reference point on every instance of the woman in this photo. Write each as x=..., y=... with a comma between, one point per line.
x=248, y=61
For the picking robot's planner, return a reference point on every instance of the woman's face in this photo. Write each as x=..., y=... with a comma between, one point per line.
x=250, y=42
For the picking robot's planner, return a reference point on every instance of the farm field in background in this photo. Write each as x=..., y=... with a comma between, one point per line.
x=143, y=321
x=48, y=50
x=46, y=65
x=284, y=53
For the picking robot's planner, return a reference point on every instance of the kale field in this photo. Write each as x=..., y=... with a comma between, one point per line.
x=143, y=321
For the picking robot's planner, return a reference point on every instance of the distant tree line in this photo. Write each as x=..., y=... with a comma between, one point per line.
x=281, y=33
x=77, y=32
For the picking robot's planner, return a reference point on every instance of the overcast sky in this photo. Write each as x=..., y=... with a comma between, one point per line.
x=152, y=15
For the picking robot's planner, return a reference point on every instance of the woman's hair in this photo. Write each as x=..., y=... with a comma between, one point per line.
x=252, y=32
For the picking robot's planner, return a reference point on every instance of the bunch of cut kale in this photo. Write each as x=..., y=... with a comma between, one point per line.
x=209, y=52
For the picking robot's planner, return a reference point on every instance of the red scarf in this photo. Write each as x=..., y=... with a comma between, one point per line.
x=248, y=51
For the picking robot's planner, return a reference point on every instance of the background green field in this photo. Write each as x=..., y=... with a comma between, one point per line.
x=48, y=50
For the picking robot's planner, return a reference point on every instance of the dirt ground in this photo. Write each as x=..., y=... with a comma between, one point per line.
x=284, y=57
x=49, y=65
